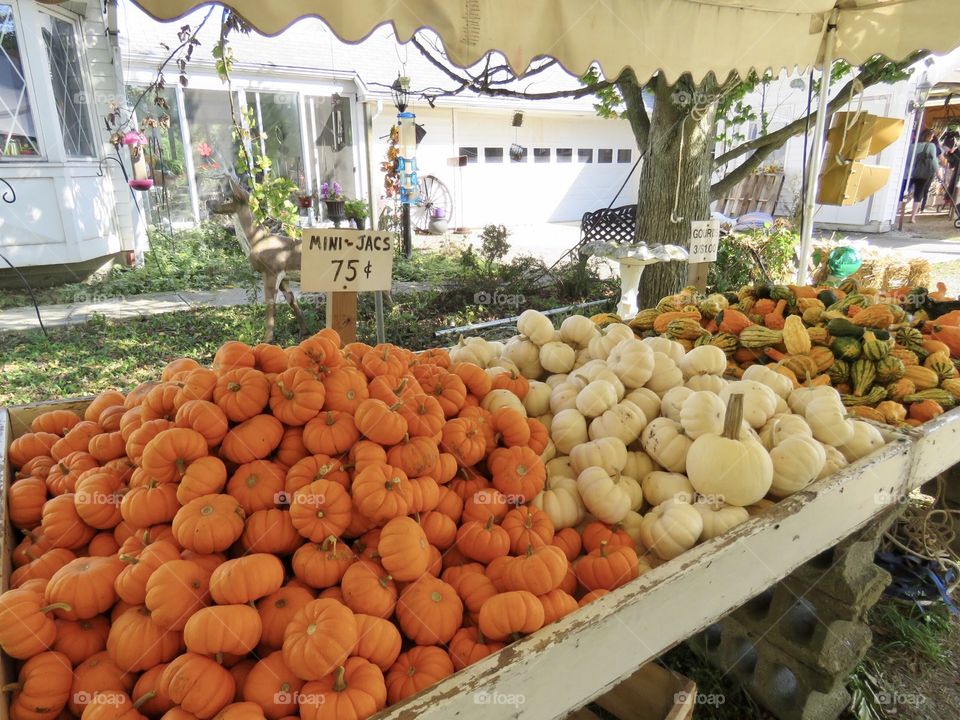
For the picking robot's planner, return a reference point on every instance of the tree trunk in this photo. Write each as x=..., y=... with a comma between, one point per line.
x=659, y=203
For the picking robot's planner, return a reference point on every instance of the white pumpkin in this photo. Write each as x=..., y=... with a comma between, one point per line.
x=609, y=453
x=701, y=413
x=549, y=452
x=866, y=438
x=624, y=420
x=554, y=380
x=835, y=461
x=666, y=374
x=780, y=427
x=664, y=441
x=674, y=350
x=474, y=350
x=703, y=360
x=639, y=464
x=496, y=399
x=560, y=467
x=673, y=400
x=659, y=486
x=546, y=420
x=569, y=429
x=827, y=418
x=708, y=383
x=596, y=398
x=557, y=357
x=609, y=337
x=782, y=407
x=536, y=326
x=564, y=397
x=583, y=357
x=797, y=462
x=525, y=355
x=632, y=362
x=631, y=526
x=780, y=384
x=759, y=401
x=633, y=488
x=718, y=517
x=602, y=495
x=537, y=399
x=670, y=529
x=732, y=467
x=798, y=399
x=560, y=500
x=502, y=365
x=645, y=399
x=578, y=330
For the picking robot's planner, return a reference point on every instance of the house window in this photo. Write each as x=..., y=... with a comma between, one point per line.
x=624, y=156
x=18, y=134
x=518, y=154
x=493, y=155
x=279, y=121
x=470, y=153
x=585, y=155
x=564, y=155
x=69, y=91
x=541, y=155
x=604, y=156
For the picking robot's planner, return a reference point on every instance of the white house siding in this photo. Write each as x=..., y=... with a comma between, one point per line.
x=65, y=213
x=524, y=192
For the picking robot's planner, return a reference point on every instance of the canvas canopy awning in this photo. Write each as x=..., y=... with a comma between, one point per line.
x=669, y=36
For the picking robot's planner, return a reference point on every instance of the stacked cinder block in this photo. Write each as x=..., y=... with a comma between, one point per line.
x=794, y=645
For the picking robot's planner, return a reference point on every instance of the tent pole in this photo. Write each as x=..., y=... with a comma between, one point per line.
x=816, y=151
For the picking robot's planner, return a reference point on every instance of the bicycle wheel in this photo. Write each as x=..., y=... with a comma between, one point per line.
x=435, y=198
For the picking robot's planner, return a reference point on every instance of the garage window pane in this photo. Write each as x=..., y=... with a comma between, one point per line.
x=18, y=134
x=585, y=155
x=624, y=156
x=493, y=155
x=564, y=155
x=518, y=154
x=470, y=153
x=605, y=156
x=541, y=155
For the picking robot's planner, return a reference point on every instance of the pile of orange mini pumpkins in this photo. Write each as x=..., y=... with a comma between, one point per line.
x=315, y=531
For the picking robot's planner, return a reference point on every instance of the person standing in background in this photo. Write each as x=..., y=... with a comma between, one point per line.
x=923, y=159
x=950, y=142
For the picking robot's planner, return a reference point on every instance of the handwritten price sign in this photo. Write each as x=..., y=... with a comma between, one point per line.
x=347, y=260
x=704, y=238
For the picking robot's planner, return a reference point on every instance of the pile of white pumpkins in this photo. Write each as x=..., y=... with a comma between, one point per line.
x=640, y=433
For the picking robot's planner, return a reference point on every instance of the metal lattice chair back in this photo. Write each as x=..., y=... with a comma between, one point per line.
x=617, y=225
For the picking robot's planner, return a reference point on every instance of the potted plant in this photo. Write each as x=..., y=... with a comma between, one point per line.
x=331, y=193
x=356, y=211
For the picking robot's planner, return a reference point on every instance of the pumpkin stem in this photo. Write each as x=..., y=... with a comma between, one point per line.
x=603, y=548
x=288, y=394
x=396, y=406
x=489, y=524
x=128, y=559
x=181, y=466
x=219, y=658
x=143, y=699
x=385, y=580
x=329, y=543
x=529, y=549
x=12, y=687
x=29, y=554
x=234, y=387
x=57, y=606
x=734, y=417
x=339, y=683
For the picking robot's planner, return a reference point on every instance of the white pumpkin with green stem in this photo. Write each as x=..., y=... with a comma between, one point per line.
x=569, y=429
x=660, y=486
x=731, y=467
x=560, y=500
x=703, y=360
x=797, y=462
x=632, y=362
x=609, y=453
x=664, y=440
x=603, y=496
x=718, y=517
x=702, y=413
x=536, y=326
x=670, y=529
x=666, y=374
x=624, y=420
x=759, y=401
x=557, y=357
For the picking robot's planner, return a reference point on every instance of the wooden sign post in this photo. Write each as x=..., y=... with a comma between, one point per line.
x=342, y=263
x=704, y=240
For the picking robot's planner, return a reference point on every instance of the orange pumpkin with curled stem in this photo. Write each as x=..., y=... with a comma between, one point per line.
x=465, y=440
x=469, y=646
x=319, y=353
x=392, y=390
x=416, y=669
x=150, y=504
x=596, y=532
x=527, y=527
x=319, y=638
x=369, y=589
x=380, y=422
x=296, y=396
x=511, y=425
x=423, y=414
x=139, y=438
x=167, y=455
x=26, y=626
x=448, y=389
x=147, y=687
x=608, y=567
x=42, y=688
x=381, y=492
x=65, y=472
x=131, y=582
x=204, y=417
x=511, y=614
x=483, y=542
x=320, y=509
x=383, y=359
x=322, y=565
x=197, y=384
x=538, y=571
x=512, y=381
x=77, y=438
x=429, y=611
x=84, y=587
x=355, y=689
x=242, y=393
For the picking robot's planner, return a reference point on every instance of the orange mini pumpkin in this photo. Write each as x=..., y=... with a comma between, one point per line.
x=322, y=565
x=332, y=432
x=296, y=396
x=381, y=492
x=469, y=645
x=355, y=689
x=369, y=589
x=416, y=669
x=429, y=611
x=380, y=422
x=246, y=579
x=209, y=523
x=510, y=614
x=319, y=638
x=253, y=439
x=517, y=472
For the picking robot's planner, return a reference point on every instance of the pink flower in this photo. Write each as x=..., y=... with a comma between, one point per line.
x=205, y=150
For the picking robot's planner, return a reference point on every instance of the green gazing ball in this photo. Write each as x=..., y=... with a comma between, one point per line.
x=843, y=261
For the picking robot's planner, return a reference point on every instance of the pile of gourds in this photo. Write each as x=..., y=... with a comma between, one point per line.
x=888, y=365
x=320, y=531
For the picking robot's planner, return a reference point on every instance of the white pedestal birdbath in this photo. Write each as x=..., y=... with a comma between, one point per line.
x=632, y=260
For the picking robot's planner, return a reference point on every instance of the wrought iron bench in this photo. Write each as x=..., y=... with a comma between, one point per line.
x=617, y=225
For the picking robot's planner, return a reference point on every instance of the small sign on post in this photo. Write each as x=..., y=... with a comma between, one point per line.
x=704, y=240
x=342, y=263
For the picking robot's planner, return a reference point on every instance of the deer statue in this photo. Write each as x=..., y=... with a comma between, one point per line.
x=273, y=256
